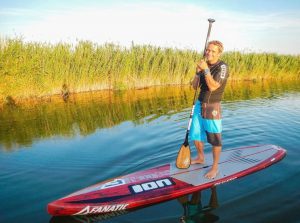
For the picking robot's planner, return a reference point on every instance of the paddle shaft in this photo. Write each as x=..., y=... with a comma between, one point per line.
x=186, y=141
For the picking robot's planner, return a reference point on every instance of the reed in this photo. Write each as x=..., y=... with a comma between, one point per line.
x=33, y=69
x=261, y=66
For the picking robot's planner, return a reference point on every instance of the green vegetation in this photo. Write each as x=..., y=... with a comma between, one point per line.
x=262, y=66
x=39, y=69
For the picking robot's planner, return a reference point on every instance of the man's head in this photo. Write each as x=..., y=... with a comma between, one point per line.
x=213, y=51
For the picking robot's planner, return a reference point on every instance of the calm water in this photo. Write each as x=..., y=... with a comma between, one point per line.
x=51, y=149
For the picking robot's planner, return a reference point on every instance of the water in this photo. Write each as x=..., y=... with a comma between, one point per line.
x=51, y=149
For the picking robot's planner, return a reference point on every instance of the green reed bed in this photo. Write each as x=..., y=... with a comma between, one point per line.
x=261, y=66
x=40, y=69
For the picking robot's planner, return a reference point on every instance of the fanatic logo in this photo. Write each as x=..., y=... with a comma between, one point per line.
x=101, y=209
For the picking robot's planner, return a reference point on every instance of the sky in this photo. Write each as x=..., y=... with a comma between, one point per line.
x=271, y=26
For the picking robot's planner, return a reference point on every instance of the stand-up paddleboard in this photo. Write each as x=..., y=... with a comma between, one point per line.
x=164, y=182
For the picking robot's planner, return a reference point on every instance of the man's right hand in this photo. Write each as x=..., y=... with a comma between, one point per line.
x=201, y=65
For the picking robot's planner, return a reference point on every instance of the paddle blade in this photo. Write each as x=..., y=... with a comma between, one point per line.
x=183, y=160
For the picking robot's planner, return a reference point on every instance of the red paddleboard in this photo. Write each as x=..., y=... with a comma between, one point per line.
x=164, y=182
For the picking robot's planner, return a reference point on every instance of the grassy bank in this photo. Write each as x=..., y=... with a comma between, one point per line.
x=41, y=69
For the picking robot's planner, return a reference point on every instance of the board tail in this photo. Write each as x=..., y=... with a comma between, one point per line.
x=183, y=160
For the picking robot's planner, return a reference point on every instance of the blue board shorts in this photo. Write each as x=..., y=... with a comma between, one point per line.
x=207, y=123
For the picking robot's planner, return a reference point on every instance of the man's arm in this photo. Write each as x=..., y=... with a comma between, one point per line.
x=211, y=83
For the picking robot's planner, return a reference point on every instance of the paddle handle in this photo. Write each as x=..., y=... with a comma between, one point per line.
x=211, y=21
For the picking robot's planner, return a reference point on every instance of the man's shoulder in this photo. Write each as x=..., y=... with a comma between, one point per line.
x=222, y=63
x=222, y=66
x=224, y=72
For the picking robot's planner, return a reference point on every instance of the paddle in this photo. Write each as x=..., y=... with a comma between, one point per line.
x=183, y=160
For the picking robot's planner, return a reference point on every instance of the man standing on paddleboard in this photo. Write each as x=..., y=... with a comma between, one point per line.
x=211, y=76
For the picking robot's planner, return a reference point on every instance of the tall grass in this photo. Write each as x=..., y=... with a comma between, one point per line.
x=262, y=66
x=40, y=69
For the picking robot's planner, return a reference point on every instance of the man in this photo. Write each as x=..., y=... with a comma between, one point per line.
x=211, y=76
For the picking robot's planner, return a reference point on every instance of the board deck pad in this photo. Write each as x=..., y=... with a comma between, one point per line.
x=164, y=182
x=230, y=161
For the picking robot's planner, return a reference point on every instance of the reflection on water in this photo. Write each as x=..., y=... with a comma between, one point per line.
x=84, y=114
x=193, y=211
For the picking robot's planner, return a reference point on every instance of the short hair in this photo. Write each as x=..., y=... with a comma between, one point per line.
x=218, y=44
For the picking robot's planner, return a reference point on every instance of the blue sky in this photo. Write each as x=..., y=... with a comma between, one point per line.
x=244, y=25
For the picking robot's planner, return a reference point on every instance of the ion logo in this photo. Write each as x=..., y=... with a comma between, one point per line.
x=152, y=185
x=223, y=71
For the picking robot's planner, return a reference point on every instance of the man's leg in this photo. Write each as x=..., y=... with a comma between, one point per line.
x=197, y=134
x=212, y=173
x=200, y=158
x=212, y=121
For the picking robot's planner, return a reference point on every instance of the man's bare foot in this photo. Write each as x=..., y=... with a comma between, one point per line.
x=212, y=173
x=198, y=161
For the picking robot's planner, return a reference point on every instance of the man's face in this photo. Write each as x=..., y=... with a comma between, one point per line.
x=212, y=53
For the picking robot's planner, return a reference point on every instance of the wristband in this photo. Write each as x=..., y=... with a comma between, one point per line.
x=206, y=71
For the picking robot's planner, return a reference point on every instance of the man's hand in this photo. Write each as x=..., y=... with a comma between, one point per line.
x=201, y=65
